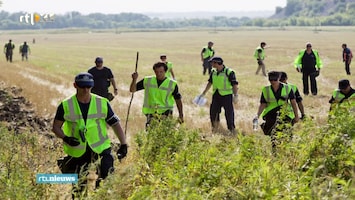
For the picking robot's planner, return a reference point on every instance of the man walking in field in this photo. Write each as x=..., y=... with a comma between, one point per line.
x=225, y=93
x=103, y=78
x=259, y=55
x=347, y=56
x=207, y=53
x=8, y=50
x=309, y=63
x=24, y=50
x=160, y=93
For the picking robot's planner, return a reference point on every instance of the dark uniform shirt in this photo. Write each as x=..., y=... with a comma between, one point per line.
x=347, y=53
x=101, y=80
x=308, y=62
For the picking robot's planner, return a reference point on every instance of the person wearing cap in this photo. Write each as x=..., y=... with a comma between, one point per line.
x=24, y=51
x=309, y=63
x=169, y=72
x=344, y=93
x=8, y=50
x=283, y=79
x=80, y=121
x=347, y=56
x=225, y=93
x=207, y=53
x=259, y=55
x=273, y=98
x=103, y=78
x=160, y=93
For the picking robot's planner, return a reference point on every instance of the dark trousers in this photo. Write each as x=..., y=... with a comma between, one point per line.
x=157, y=116
x=218, y=102
x=347, y=67
x=9, y=56
x=273, y=124
x=206, y=66
x=80, y=166
x=312, y=78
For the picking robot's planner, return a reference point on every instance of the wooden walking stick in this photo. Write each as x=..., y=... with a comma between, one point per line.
x=130, y=102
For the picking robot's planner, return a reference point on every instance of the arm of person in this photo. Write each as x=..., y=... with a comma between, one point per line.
x=203, y=50
x=57, y=128
x=262, y=106
x=180, y=109
x=114, y=121
x=113, y=82
x=208, y=86
x=117, y=128
x=172, y=73
x=295, y=110
x=133, y=87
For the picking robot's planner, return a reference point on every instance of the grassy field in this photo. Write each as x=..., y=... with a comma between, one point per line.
x=57, y=57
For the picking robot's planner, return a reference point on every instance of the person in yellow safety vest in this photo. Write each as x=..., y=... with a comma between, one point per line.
x=259, y=55
x=160, y=93
x=309, y=63
x=344, y=93
x=283, y=79
x=169, y=72
x=80, y=121
x=225, y=93
x=273, y=98
x=206, y=54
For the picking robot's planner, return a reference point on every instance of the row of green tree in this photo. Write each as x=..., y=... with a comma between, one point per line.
x=139, y=21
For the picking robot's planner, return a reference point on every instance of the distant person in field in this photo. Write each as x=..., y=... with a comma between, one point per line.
x=169, y=72
x=103, y=78
x=225, y=93
x=347, y=56
x=206, y=54
x=344, y=93
x=259, y=55
x=160, y=94
x=283, y=79
x=273, y=98
x=8, y=50
x=81, y=121
x=24, y=51
x=309, y=64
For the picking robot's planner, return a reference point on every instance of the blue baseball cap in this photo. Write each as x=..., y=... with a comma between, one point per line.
x=84, y=79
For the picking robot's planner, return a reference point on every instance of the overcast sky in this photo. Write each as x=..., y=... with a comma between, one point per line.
x=138, y=6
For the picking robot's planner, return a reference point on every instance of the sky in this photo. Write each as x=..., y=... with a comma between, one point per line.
x=137, y=6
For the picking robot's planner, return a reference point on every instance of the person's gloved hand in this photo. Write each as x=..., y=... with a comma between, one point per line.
x=235, y=98
x=122, y=151
x=72, y=141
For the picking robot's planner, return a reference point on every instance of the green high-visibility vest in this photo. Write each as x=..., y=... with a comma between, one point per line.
x=338, y=96
x=168, y=72
x=221, y=82
x=208, y=52
x=262, y=54
x=94, y=130
x=158, y=99
x=272, y=103
x=298, y=60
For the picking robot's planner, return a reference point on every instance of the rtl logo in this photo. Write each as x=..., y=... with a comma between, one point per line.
x=32, y=18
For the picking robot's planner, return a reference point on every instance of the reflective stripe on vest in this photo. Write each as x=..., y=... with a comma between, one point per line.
x=221, y=82
x=158, y=99
x=94, y=130
x=272, y=103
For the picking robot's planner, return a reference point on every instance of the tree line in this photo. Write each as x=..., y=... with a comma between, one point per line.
x=11, y=21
